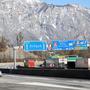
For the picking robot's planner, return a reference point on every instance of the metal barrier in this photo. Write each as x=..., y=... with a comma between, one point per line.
x=69, y=73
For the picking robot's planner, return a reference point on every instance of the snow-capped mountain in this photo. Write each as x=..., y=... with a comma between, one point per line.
x=40, y=21
x=33, y=1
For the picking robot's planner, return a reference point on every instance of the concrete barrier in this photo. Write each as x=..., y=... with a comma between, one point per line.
x=79, y=73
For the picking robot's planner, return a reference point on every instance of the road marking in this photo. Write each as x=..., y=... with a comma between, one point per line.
x=52, y=85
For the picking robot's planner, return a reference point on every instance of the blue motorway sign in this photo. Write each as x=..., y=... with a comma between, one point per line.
x=69, y=44
x=35, y=46
x=81, y=43
x=56, y=44
x=63, y=45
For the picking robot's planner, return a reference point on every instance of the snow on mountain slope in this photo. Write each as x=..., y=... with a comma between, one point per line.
x=40, y=21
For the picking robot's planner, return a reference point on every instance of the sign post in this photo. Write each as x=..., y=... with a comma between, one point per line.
x=14, y=55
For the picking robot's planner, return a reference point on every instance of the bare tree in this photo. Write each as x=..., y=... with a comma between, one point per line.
x=3, y=44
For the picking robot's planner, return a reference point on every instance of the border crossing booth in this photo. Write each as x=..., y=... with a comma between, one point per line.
x=71, y=60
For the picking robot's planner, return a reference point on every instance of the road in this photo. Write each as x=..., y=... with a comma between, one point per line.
x=17, y=82
x=10, y=65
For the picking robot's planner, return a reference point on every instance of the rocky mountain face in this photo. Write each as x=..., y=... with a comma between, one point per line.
x=40, y=21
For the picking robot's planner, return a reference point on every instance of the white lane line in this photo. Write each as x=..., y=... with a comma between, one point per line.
x=52, y=85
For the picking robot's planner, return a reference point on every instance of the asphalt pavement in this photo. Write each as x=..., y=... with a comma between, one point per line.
x=21, y=82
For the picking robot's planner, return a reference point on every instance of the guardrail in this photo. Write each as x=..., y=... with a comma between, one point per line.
x=69, y=73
